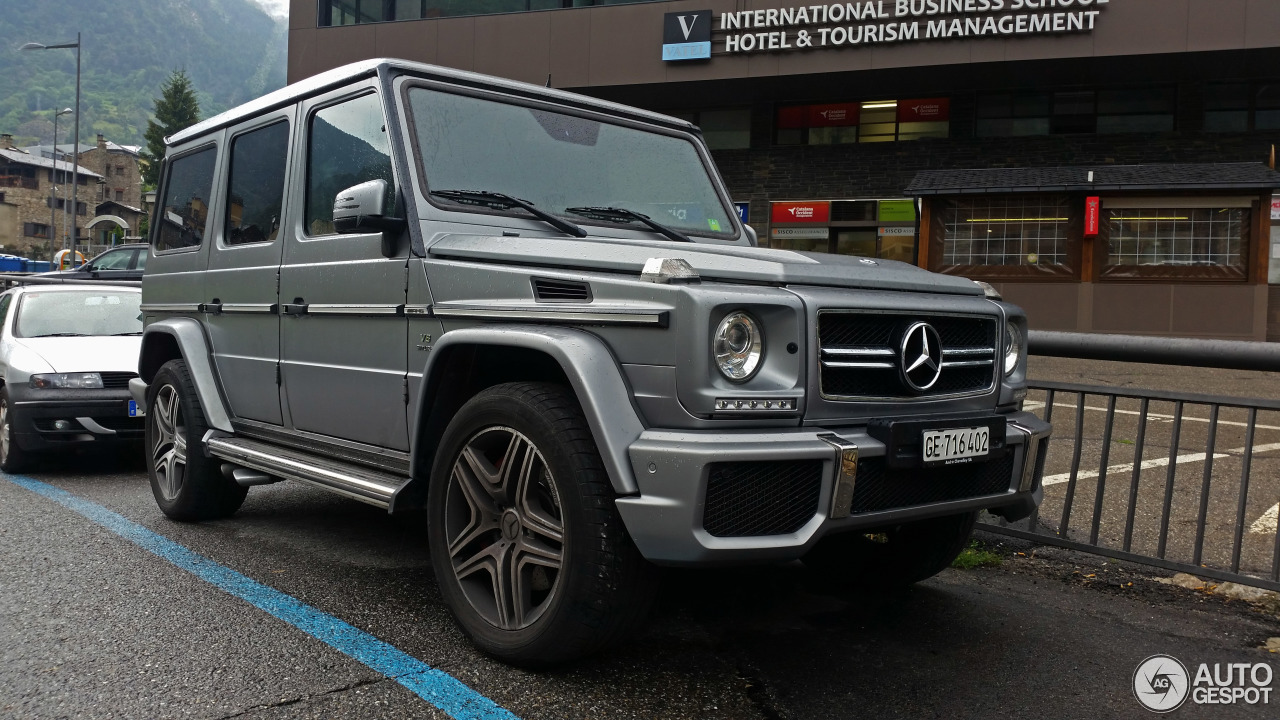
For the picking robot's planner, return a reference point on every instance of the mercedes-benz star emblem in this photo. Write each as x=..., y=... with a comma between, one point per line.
x=921, y=356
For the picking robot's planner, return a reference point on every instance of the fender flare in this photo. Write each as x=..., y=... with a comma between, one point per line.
x=594, y=376
x=194, y=348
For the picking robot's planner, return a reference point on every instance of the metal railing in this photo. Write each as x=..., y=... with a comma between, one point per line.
x=1170, y=489
x=8, y=280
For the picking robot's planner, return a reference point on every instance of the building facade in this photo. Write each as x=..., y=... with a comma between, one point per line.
x=826, y=121
x=36, y=215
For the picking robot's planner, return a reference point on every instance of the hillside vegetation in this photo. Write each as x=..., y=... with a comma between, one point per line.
x=232, y=50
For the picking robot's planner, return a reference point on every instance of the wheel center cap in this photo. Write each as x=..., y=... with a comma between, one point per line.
x=510, y=525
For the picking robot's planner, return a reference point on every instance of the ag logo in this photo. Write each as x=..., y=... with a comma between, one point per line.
x=1161, y=683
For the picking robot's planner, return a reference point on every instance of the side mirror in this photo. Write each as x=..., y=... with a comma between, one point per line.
x=751, y=235
x=359, y=209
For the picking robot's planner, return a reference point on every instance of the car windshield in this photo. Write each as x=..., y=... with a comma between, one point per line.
x=113, y=260
x=558, y=161
x=73, y=313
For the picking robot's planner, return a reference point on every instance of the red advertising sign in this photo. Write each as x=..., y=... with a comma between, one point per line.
x=1092, y=211
x=791, y=118
x=801, y=212
x=925, y=110
x=834, y=115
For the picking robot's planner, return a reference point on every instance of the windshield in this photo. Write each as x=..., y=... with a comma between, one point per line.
x=558, y=161
x=79, y=312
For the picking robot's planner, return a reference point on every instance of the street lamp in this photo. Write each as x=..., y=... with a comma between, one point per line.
x=53, y=183
x=75, y=153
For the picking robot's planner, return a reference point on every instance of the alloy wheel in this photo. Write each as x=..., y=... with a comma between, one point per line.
x=169, y=452
x=505, y=528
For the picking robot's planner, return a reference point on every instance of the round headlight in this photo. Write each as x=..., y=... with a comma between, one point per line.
x=738, y=346
x=1013, y=343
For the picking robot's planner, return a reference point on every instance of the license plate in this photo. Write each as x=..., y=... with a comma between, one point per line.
x=136, y=410
x=954, y=446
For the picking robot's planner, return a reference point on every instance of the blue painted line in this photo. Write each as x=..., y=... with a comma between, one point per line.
x=435, y=686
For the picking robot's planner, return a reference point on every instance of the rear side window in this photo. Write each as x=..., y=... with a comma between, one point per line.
x=348, y=145
x=257, y=184
x=185, y=208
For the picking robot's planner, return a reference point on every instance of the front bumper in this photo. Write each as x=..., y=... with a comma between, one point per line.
x=95, y=418
x=803, y=479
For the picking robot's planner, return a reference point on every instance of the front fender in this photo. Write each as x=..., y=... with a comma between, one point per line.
x=593, y=374
x=182, y=337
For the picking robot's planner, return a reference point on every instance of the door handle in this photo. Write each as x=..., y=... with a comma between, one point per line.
x=297, y=308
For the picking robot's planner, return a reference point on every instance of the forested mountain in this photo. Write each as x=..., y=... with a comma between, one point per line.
x=232, y=50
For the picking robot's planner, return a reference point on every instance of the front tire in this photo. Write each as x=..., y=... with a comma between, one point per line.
x=13, y=459
x=896, y=556
x=526, y=542
x=187, y=485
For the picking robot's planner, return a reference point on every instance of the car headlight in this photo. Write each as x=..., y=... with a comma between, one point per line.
x=67, y=381
x=1013, y=343
x=738, y=346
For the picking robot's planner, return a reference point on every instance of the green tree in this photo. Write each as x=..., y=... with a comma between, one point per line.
x=176, y=108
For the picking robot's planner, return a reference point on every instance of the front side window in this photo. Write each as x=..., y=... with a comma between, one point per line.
x=559, y=162
x=348, y=145
x=1209, y=243
x=185, y=206
x=256, y=192
x=116, y=260
x=79, y=312
x=1005, y=236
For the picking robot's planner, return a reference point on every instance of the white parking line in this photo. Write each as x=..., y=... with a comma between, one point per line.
x=1158, y=417
x=1155, y=463
x=1266, y=524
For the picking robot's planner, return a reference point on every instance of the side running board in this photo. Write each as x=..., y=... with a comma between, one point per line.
x=354, y=481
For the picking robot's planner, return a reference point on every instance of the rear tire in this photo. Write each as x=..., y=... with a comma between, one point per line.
x=13, y=459
x=526, y=542
x=898, y=555
x=187, y=485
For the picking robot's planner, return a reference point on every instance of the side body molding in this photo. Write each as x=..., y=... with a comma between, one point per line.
x=593, y=373
x=157, y=344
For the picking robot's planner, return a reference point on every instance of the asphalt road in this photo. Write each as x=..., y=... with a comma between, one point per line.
x=92, y=625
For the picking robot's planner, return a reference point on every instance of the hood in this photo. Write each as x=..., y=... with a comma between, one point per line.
x=86, y=354
x=713, y=262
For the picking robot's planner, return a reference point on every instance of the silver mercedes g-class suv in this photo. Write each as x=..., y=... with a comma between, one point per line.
x=536, y=317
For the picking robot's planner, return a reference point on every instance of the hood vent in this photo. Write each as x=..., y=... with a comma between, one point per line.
x=545, y=290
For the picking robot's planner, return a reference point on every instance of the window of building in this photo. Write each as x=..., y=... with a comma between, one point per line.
x=36, y=230
x=863, y=122
x=721, y=129
x=184, y=207
x=1135, y=110
x=1013, y=114
x=1004, y=236
x=119, y=195
x=256, y=191
x=356, y=12
x=1167, y=240
x=1103, y=111
x=347, y=146
x=1242, y=106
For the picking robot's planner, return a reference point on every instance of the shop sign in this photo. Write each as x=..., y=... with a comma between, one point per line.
x=897, y=232
x=801, y=212
x=897, y=211
x=1091, y=216
x=799, y=233
x=744, y=211
x=834, y=115
x=1275, y=208
x=927, y=110
x=686, y=35
x=872, y=22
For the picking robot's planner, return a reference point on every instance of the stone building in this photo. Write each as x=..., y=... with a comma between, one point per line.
x=28, y=206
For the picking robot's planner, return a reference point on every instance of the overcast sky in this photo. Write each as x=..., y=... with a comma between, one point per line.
x=277, y=8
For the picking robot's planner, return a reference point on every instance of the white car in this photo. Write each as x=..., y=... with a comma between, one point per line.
x=67, y=353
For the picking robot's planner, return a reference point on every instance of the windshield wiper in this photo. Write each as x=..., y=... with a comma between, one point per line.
x=617, y=214
x=506, y=202
x=136, y=332
x=62, y=335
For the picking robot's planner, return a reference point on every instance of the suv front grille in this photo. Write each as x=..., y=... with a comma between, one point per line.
x=878, y=487
x=748, y=499
x=860, y=353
